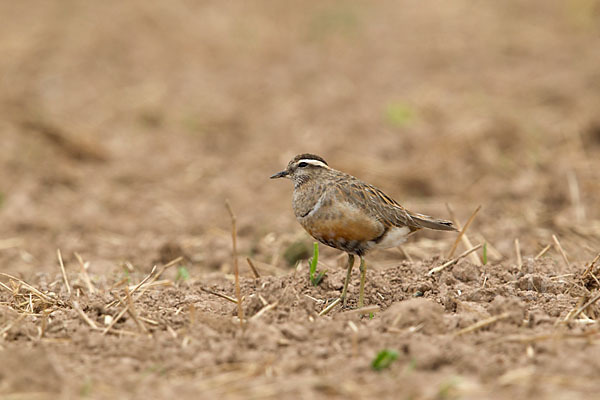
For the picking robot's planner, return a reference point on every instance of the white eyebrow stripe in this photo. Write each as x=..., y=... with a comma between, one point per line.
x=316, y=163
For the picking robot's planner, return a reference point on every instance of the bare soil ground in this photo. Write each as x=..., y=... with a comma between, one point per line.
x=124, y=126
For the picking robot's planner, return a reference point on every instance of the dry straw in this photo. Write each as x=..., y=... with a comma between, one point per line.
x=236, y=269
x=264, y=310
x=253, y=268
x=465, y=239
x=561, y=251
x=482, y=323
x=542, y=252
x=84, y=274
x=326, y=310
x=518, y=253
x=221, y=295
x=62, y=270
x=454, y=260
x=462, y=232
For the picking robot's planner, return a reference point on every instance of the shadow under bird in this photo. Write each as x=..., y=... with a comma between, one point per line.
x=348, y=214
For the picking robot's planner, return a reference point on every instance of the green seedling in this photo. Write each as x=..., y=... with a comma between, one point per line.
x=126, y=274
x=384, y=359
x=410, y=367
x=339, y=21
x=447, y=389
x=86, y=388
x=399, y=114
x=315, y=280
x=484, y=253
x=182, y=273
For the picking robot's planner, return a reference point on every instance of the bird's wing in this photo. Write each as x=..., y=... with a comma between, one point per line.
x=376, y=203
x=387, y=210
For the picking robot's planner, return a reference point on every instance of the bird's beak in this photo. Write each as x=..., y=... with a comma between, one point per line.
x=281, y=174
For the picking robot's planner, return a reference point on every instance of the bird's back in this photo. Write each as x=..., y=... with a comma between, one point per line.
x=346, y=213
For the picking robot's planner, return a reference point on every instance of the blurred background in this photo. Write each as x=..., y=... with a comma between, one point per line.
x=124, y=126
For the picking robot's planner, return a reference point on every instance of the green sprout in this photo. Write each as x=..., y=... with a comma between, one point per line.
x=410, y=367
x=86, y=388
x=384, y=359
x=315, y=280
x=484, y=253
x=447, y=389
x=182, y=273
x=126, y=274
x=399, y=114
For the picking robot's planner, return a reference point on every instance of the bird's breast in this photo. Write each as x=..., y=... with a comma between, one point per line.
x=341, y=225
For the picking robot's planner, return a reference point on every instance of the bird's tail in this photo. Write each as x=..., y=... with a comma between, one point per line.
x=425, y=221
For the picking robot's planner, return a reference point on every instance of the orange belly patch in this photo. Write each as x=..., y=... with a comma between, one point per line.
x=350, y=226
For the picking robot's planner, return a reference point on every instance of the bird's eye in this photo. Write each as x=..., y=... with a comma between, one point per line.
x=302, y=164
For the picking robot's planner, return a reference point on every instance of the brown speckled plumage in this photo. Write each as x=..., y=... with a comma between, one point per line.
x=346, y=213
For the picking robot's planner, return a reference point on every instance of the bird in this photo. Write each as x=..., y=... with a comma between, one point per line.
x=343, y=212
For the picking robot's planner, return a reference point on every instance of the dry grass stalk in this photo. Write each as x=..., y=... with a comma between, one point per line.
x=221, y=295
x=47, y=299
x=253, y=268
x=123, y=332
x=547, y=336
x=115, y=319
x=517, y=376
x=268, y=268
x=148, y=321
x=541, y=253
x=5, y=287
x=172, y=332
x=133, y=312
x=362, y=310
x=262, y=300
x=329, y=307
x=405, y=253
x=83, y=315
x=465, y=239
x=455, y=260
x=353, y=326
x=135, y=288
x=119, y=284
x=354, y=329
x=580, y=310
x=62, y=270
x=72, y=144
x=236, y=269
x=518, y=252
x=482, y=323
x=84, y=274
x=462, y=232
x=575, y=193
x=149, y=280
x=590, y=267
x=192, y=314
x=560, y=249
x=154, y=284
x=264, y=310
x=44, y=324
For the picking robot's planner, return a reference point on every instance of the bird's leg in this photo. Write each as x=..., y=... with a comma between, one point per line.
x=363, y=276
x=348, y=275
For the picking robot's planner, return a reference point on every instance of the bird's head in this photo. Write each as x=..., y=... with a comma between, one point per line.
x=302, y=168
